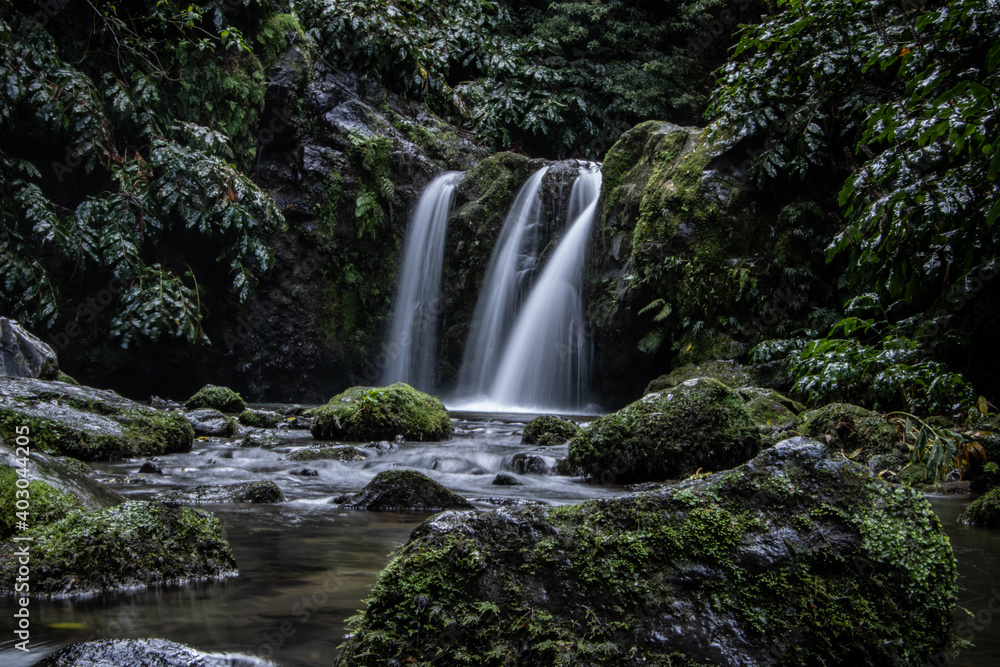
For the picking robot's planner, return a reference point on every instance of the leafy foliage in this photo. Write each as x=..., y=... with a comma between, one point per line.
x=556, y=76
x=137, y=176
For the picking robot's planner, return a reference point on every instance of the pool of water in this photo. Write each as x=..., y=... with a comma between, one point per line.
x=306, y=564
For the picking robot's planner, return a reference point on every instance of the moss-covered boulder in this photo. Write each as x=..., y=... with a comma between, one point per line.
x=241, y=492
x=700, y=424
x=361, y=414
x=261, y=439
x=774, y=414
x=260, y=418
x=728, y=372
x=403, y=490
x=222, y=399
x=866, y=436
x=984, y=511
x=146, y=652
x=328, y=452
x=793, y=558
x=86, y=423
x=133, y=545
x=548, y=430
x=210, y=422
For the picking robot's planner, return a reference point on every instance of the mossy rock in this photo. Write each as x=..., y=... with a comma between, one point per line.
x=241, y=492
x=915, y=474
x=328, y=452
x=729, y=373
x=210, y=422
x=851, y=427
x=86, y=423
x=63, y=377
x=983, y=512
x=548, y=430
x=700, y=424
x=361, y=414
x=217, y=398
x=47, y=504
x=775, y=415
x=795, y=558
x=264, y=439
x=393, y=490
x=260, y=418
x=136, y=544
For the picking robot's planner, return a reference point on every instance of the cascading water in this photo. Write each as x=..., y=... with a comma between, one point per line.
x=413, y=336
x=514, y=258
x=545, y=366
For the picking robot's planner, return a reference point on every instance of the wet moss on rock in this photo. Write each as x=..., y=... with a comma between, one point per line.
x=361, y=414
x=983, y=512
x=218, y=398
x=260, y=418
x=86, y=423
x=136, y=544
x=700, y=424
x=548, y=430
x=793, y=558
x=328, y=452
x=393, y=490
x=729, y=373
x=47, y=504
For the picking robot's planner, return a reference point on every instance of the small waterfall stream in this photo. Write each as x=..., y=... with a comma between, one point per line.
x=513, y=259
x=546, y=362
x=413, y=336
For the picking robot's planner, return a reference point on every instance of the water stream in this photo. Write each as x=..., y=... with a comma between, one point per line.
x=305, y=564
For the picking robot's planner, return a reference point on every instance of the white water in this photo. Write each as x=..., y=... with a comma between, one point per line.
x=546, y=363
x=413, y=336
x=514, y=258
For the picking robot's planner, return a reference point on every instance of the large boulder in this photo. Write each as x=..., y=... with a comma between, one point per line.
x=22, y=355
x=361, y=414
x=86, y=423
x=54, y=488
x=865, y=436
x=403, y=490
x=210, y=422
x=150, y=652
x=133, y=545
x=700, y=424
x=548, y=430
x=218, y=398
x=792, y=558
x=242, y=492
x=983, y=512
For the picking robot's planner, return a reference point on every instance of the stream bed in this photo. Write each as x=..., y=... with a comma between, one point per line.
x=306, y=564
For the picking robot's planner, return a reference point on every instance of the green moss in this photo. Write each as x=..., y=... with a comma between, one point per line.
x=727, y=372
x=273, y=37
x=548, y=430
x=591, y=584
x=46, y=504
x=145, y=433
x=260, y=418
x=63, y=377
x=382, y=413
x=136, y=544
x=699, y=424
x=984, y=511
x=851, y=427
x=332, y=453
x=217, y=398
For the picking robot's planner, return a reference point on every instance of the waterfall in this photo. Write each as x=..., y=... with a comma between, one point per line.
x=545, y=365
x=513, y=259
x=413, y=337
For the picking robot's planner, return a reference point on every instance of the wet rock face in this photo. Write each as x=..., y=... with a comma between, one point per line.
x=403, y=490
x=24, y=355
x=548, y=430
x=148, y=652
x=136, y=544
x=211, y=423
x=381, y=413
x=89, y=424
x=243, y=492
x=795, y=557
x=700, y=424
